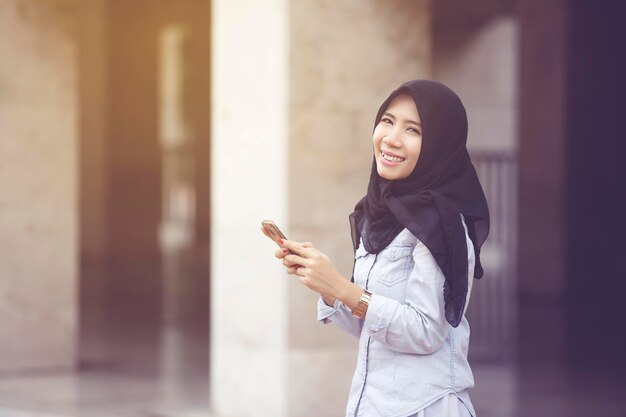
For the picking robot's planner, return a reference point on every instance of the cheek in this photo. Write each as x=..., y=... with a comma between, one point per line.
x=414, y=154
x=376, y=142
x=416, y=148
x=379, y=133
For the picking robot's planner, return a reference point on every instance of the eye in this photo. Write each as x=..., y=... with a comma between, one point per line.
x=414, y=130
x=386, y=120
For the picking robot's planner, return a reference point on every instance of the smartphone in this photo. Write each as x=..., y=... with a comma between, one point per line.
x=273, y=231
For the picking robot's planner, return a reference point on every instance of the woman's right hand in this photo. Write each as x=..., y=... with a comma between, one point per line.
x=282, y=252
x=291, y=267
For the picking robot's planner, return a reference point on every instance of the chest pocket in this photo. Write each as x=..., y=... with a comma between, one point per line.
x=394, y=263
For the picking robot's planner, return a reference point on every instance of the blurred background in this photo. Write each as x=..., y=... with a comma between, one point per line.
x=142, y=142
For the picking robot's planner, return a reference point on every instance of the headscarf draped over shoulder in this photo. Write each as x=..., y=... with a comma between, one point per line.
x=430, y=201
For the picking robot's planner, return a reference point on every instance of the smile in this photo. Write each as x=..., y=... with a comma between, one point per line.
x=395, y=159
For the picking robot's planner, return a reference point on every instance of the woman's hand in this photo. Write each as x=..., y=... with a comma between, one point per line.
x=281, y=253
x=313, y=269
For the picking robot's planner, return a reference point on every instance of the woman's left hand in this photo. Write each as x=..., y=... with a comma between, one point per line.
x=316, y=270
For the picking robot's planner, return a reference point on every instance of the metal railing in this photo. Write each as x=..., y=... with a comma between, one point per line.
x=492, y=311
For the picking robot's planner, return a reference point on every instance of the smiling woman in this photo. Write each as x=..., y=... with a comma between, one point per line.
x=398, y=139
x=417, y=236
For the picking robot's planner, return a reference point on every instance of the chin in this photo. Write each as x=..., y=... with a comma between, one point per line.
x=385, y=174
x=390, y=176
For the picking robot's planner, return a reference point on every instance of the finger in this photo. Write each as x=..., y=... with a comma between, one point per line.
x=295, y=259
x=280, y=253
x=289, y=264
x=307, y=244
x=293, y=270
x=296, y=248
x=303, y=281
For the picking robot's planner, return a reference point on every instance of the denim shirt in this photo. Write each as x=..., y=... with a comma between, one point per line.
x=409, y=355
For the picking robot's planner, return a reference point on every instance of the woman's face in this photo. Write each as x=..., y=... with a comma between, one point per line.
x=398, y=139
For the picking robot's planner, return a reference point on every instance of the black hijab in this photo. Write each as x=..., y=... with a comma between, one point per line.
x=429, y=201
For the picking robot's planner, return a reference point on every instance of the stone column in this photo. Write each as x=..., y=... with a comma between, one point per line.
x=249, y=171
x=294, y=101
x=94, y=96
x=542, y=150
x=38, y=184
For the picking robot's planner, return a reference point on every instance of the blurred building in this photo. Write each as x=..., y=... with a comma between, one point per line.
x=142, y=142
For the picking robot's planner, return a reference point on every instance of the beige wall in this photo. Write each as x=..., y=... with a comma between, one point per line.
x=38, y=183
x=345, y=58
x=476, y=54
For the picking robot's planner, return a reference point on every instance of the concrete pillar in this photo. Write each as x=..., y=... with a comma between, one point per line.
x=249, y=183
x=542, y=149
x=38, y=184
x=294, y=102
x=93, y=127
x=542, y=187
x=595, y=204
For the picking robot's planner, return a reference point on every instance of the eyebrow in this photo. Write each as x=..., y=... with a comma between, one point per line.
x=410, y=121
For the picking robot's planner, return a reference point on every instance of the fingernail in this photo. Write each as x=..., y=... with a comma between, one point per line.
x=285, y=250
x=281, y=241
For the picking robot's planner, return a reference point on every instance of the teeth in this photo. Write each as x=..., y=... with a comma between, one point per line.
x=392, y=158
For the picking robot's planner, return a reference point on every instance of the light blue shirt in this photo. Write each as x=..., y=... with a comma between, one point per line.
x=409, y=355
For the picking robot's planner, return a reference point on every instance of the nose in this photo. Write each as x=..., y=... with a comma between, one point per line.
x=392, y=139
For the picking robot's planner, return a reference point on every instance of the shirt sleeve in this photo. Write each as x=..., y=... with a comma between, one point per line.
x=340, y=315
x=419, y=325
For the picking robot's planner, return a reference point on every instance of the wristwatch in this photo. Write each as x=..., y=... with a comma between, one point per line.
x=361, y=307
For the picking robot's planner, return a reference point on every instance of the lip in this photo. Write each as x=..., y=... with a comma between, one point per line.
x=382, y=151
x=388, y=163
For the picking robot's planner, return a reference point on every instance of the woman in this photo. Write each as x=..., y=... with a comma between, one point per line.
x=417, y=235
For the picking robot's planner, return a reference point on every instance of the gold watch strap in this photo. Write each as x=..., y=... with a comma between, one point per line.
x=361, y=307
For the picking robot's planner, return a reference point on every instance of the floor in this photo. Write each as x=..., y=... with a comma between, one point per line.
x=501, y=390
x=536, y=386
x=177, y=389
x=505, y=390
